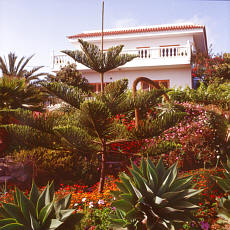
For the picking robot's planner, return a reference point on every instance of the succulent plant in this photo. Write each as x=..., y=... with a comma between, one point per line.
x=41, y=211
x=153, y=197
x=223, y=209
x=224, y=183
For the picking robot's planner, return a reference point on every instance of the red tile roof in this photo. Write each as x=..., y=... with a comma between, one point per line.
x=137, y=30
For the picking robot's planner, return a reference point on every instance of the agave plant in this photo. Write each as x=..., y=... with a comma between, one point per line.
x=41, y=211
x=224, y=209
x=153, y=197
x=224, y=183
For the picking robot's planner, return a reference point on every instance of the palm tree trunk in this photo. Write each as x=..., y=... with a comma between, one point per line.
x=102, y=82
x=102, y=176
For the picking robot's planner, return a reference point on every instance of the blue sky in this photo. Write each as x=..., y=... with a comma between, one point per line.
x=38, y=27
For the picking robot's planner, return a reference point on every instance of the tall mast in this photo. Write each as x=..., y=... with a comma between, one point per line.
x=102, y=28
x=102, y=59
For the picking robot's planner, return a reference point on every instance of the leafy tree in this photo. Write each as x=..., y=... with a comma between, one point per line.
x=91, y=57
x=92, y=128
x=71, y=76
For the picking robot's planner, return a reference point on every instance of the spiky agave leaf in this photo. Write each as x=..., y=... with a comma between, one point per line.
x=41, y=211
x=224, y=183
x=157, y=193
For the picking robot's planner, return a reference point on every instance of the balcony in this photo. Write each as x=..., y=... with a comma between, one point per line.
x=146, y=58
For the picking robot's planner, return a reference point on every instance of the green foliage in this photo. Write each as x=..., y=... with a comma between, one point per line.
x=224, y=209
x=17, y=93
x=98, y=218
x=91, y=57
x=90, y=128
x=71, y=76
x=95, y=118
x=20, y=135
x=162, y=147
x=59, y=165
x=69, y=94
x=40, y=211
x=150, y=128
x=12, y=68
x=219, y=124
x=115, y=97
x=216, y=94
x=224, y=183
x=153, y=194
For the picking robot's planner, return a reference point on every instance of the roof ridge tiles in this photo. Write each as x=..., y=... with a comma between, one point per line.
x=137, y=30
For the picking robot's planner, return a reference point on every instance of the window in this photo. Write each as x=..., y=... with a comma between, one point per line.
x=97, y=86
x=147, y=86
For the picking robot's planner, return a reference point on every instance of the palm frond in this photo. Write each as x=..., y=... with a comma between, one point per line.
x=22, y=67
x=12, y=61
x=16, y=93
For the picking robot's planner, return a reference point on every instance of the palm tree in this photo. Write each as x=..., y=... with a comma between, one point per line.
x=12, y=68
x=91, y=56
x=17, y=93
x=18, y=86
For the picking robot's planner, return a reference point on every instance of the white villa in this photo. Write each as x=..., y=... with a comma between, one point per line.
x=164, y=53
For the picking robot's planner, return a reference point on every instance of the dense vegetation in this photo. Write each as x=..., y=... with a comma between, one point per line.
x=176, y=180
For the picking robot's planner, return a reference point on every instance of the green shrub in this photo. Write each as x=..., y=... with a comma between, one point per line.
x=97, y=218
x=59, y=165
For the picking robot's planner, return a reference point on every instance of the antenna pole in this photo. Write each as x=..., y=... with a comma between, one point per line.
x=102, y=58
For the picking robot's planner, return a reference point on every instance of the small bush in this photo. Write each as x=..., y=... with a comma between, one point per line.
x=59, y=165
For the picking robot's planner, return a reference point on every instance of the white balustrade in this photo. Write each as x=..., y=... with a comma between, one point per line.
x=160, y=53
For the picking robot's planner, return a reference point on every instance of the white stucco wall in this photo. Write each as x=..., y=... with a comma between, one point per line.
x=141, y=41
x=176, y=76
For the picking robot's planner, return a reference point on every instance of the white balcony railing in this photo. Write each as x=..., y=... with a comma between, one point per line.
x=153, y=56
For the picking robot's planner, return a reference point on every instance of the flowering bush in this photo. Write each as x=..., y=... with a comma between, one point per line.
x=202, y=178
x=195, y=139
x=88, y=197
